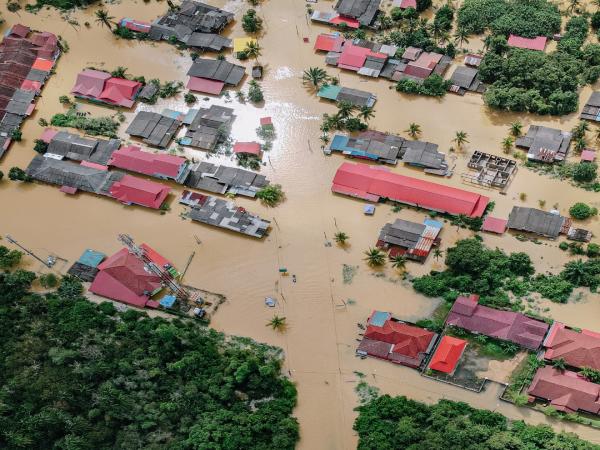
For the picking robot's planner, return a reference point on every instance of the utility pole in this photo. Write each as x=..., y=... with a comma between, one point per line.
x=49, y=263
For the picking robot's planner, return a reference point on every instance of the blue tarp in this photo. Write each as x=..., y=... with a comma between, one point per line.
x=91, y=258
x=167, y=301
x=369, y=209
x=433, y=223
x=379, y=318
x=189, y=117
x=170, y=113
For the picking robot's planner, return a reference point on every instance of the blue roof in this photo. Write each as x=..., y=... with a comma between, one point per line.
x=91, y=258
x=168, y=301
x=369, y=209
x=329, y=91
x=339, y=143
x=379, y=317
x=189, y=117
x=170, y=113
x=433, y=223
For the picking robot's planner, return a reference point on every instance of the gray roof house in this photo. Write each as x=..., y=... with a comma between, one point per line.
x=410, y=239
x=205, y=129
x=223, y=179
x=537, y=221
x=545, y=144
x=464, y=79
x=72, y=146
x=591, y=110
x=64, y=173
x=195, y=24
x=356, y=97
x=425, y=155
x=153, y=128
x=218, y=70
x=223, y=214
x=20, y=102
x=365, y=11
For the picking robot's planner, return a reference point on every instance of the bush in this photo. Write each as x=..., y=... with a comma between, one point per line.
x=190, y=98
x=96, y=126
x=255, y=93
x=40, y=146
x=585, y=172
x=49, y=280
x=251, y=23
x=595, y=21
x=563, y=246
x=271, y=195
x=593, y=250
x=18, y=174
x=9, y=258
x=434, y=85
x=581, y=211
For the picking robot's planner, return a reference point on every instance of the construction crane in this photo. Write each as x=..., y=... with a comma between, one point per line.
x=162, y=272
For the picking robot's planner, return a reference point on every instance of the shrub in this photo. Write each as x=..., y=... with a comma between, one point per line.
x=563, y=246
x=581, y=211
x=190, y=98
x=40, y=146
x=49, y=280
x=593, y=250
x=444, y=17
x=271, y=195
x=255, y=93
x=96, y=126
x=18, y=174
x=585, y=172
x=251, y=23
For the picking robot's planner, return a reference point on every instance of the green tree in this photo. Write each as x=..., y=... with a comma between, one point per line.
x=582, y=211
x=314, y=76
x=104, y=19
x=374, y=257
x=18, y=174
x=398, y=262
x=585, y=172
x=461, y=37
x=366, y=113
x=437, y=253
x=251, y=23
x=255, y=93
x=345, y=109
x=507, y=144
x=271, y=195
x=559, y=364
x=341, y=238
x=9, y=258
x=277, y=323
x=253, y=50
x=49, y=280
x=413, y=130
x=516, y=129
x=460, y=138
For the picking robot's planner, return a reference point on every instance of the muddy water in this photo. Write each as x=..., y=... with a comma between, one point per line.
x=322, y=332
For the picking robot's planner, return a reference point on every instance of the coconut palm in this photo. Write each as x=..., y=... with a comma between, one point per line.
x=375, y=257
x=437, y=253
x=444, y=37
x=345, y=109
x=460, y=138
x=580, y=145
x=398, y=262
x=507, y=144
x=366, y=113
x=573, y=5
x=341, y=238
x=324, y=138
x=413, y=130
x=580, y=129
x=104, y=19
x=314, y=76
x=119, y=72
x=460, y=221
x=516, y=129
x=559, y=364
x=461, y=37
x=253, y=49
x=277, y=323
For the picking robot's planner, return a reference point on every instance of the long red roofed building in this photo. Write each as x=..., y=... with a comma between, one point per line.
x=510, y=326
x=537, y=43
x=159, y=165
x=376, y=183
x=395, y=341
x=577, y=349
x=100, y=86
x=122, y=277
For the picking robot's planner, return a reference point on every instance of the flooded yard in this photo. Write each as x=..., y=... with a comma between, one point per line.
x=321, y=337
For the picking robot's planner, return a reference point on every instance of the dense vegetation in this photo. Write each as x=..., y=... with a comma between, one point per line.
x=389, y=423
x=434, y=86
x=60, y=4
x=76, y=375
x=95, y=126
x=529, y=18
x=474, y=268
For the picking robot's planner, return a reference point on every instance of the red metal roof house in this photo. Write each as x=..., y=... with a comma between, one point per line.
x=376, y=183
x=248, y=148
x=99, y=86
x=395, y=341
x=510, y=326
x=447, y=354
x=578, y=349
x=136, y=191
x=160, y=165
x=329, y=42
x=122, y=277
x=538, y=43
x=565, y=390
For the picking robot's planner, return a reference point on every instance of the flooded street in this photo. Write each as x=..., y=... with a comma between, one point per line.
x=321, y=338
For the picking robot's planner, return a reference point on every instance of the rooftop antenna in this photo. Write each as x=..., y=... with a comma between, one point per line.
x=162, y=272
x=48, y=263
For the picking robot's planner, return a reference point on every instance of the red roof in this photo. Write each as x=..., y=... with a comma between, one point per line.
x=122, y=277
x=353, y=57
x=538, y=43
x=48, y=135
x=43, y=64
x=134, y=190
x=19, y=30
x=93, y=165
x=565, y=390
x=408, y=4
x=251, y=148
x=120, y=91
x=30, y=85
x=578, y=349
x=155, y=257
x=90, y=83
x=205, y=85
x=264, y=121
x=329, y=42
x=138, y=26
x=467, y=313
x=373, y=183
x=494, y=225
x=134, y=159
x=351, y=23
x=447, y=354
x=396, y=341
x=588, y=155
x=68, y=190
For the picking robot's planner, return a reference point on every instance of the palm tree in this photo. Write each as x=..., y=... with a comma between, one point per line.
x=104, y=19
x=253, y=50
x=345, y=109
x=375, y=257
x=324, y=138
x=340, y=237
x=559, y=364
x=597, y=133
x=580, y=145
x=573, y=5
x=460, y=221
x=460, y=138
x=398, y=262
x=437, y=253
x=119, y=72
x=314, y=76
x=507, y=144
x=444, y=37
x=461, y=37
x=580, y=129
x=277, y=323
x=516, y=129
x=366, y=113
x=413, y=130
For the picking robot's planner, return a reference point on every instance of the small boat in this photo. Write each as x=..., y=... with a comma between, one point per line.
x=257, y=72
x=270, y=302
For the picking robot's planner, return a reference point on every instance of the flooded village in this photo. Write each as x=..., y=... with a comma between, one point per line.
x=184, y=187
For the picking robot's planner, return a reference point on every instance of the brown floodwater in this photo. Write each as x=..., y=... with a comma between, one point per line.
x=321, y=338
